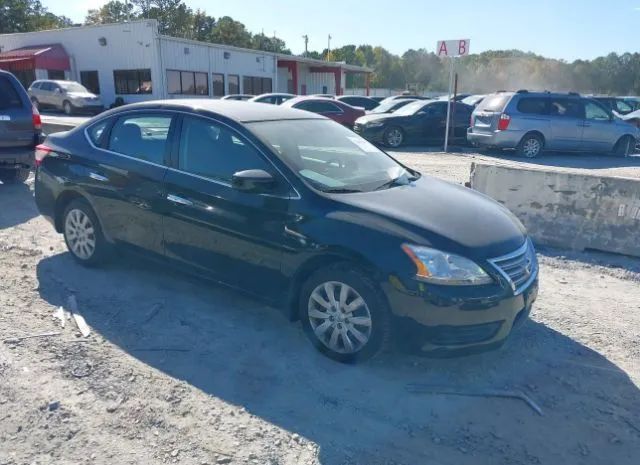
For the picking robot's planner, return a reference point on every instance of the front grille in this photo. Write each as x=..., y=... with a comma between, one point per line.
x=519, y=268
x=459, y=335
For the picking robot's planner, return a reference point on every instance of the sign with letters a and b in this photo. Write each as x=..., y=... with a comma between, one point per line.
x=453, y=48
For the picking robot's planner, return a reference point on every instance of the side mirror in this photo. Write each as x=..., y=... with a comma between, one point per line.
x=253, y=181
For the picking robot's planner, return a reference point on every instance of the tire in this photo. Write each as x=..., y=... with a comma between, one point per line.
x=67, y=107
x=18, y=176
x=530, y=146
x=85, y=241
x=393, y=137
x=624, y=147
x=349, y=336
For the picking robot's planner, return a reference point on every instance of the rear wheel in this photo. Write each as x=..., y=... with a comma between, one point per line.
x=344, y=315
x=82, y=233
x=624, y=147
x=14, y=176
x=530, y=146
x=393, y=137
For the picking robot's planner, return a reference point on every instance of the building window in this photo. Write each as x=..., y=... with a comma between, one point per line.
x=218, y=85
x=55, y=74
x=132, y=81
x=187, y=83
x=90, y=80
x=256, y=85
x=234, y=84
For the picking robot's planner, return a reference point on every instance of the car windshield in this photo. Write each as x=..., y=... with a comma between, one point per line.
x=72, y=87
x=411, y=109
x=330, y=157
x=385, y=107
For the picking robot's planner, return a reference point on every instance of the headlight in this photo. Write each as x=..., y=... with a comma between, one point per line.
x=437, y=267
x=374, y=124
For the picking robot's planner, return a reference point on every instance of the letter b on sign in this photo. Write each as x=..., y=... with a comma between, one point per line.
x=453, y=48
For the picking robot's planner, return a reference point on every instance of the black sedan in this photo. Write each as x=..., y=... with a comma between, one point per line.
x=390, y=106
x=297, y=210
x=421, y=122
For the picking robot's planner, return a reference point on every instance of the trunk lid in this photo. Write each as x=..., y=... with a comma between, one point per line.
x=486, y=116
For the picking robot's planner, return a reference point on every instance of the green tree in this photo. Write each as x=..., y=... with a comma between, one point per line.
x=28, y=15
x=111, y=12
x=231, y=32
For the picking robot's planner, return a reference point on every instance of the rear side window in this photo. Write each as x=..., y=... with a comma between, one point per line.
x=568, y=108
x=9, y=96
x=141, y=136
x=533, y=106
x=213, y=151
x=495, y=102
x=96, y=132
x=319, y=107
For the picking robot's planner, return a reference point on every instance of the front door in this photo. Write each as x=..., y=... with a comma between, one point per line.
x=598, y=134
x=234, y=236
x=125, y=180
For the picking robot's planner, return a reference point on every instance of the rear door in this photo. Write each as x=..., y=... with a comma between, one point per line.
x=126, y=181
x=234, y=236
x=566, y=123
x=599, y=133
x=487, y=113
x=45, y=93
x=16, y=114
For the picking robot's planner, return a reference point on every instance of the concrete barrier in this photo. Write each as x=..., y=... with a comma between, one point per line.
x=562, y=209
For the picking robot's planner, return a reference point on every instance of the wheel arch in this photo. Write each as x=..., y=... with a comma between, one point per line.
x=63, y=200
x=330, y=257
x=534, y=133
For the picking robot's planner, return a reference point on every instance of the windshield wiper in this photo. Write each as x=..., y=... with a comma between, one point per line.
x=341, y=190
x=395, y=182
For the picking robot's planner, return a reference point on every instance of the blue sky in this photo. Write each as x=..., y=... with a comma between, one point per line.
x=568, y=29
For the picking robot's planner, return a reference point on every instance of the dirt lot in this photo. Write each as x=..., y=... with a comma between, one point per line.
x=178, y=370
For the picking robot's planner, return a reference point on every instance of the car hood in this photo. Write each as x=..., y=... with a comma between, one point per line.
x=379, y=117
x=442, y=215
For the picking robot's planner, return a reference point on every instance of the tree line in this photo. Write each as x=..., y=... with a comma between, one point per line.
x=417, y=70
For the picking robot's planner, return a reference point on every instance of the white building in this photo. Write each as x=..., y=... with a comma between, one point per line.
x=134, y=62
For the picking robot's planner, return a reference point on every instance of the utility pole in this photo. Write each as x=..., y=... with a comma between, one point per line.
x=306, y=45
x=329, y=48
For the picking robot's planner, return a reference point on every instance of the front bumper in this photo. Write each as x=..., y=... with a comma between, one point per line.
x=374, y=134
x=450, y=320
x=89, y=109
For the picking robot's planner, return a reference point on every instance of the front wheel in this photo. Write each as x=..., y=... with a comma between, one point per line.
x=344, y=315
x=82, y=234
x=393, y=137
x=67, y=108
x=530, y=146
x=624, y=147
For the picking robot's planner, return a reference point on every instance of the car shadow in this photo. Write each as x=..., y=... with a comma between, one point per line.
x=16, y=204
x=240, y=351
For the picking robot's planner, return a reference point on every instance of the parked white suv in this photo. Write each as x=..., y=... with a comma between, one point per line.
x=68, y=96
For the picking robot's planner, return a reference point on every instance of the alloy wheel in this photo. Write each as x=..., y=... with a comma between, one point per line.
x=339, y=317
x=80, y=234
x=531, y=148
x=394, y=137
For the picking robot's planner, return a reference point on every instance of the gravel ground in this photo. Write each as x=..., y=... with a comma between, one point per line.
x=178, y=370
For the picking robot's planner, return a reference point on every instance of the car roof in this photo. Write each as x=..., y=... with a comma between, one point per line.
x=309, y=98
x=242, y=112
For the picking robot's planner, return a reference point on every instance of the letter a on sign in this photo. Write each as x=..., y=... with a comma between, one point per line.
x=453, y=48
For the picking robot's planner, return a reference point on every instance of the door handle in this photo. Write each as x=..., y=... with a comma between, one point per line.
x=98, y=177
x=179, y=200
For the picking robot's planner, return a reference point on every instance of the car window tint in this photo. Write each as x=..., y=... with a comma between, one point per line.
x=437, y=109
x=623, y=107
x=9, y=96
x=533, y=106
x=319, y=107
x=141, y=136
x=213, y=151
x=45, y=86
x=595, y=112
x=96, y=132
x=568, y=108
x=494, y=103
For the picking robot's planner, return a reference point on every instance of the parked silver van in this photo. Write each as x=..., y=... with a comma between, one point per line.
x=68, y=96
x=531, y=122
